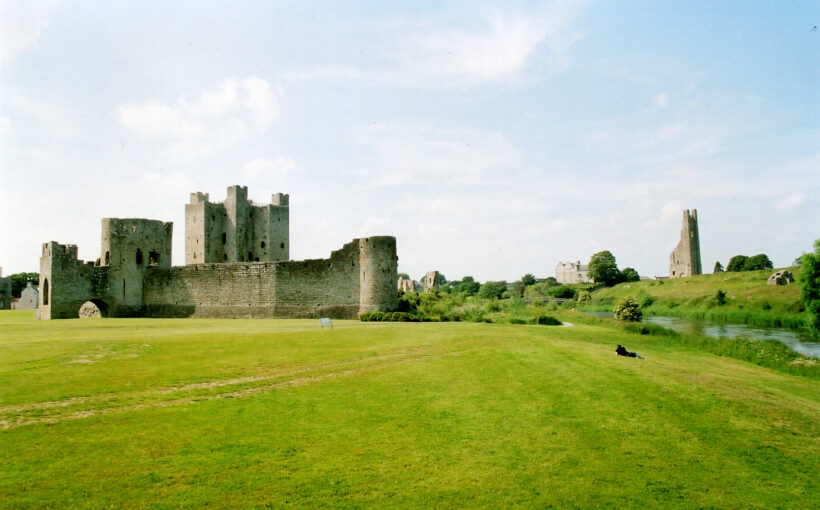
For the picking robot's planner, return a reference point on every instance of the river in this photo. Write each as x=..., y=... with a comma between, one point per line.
x=798, y=340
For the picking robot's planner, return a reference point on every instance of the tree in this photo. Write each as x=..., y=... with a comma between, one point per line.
x=404, y=275
x=630, y=275
x=809, y=279
x=468, y=286
x=492, y=290
x=19, y=281
x=528, y=279
x=627, y=309
x=718, y=267
x=517, y=288
x=603, y=268
x=736, y=263
x=757, y=262
x=550, y=281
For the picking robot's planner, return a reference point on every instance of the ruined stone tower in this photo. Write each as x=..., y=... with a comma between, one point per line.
x=236, y=230
x=685, y=258
x=115, y=282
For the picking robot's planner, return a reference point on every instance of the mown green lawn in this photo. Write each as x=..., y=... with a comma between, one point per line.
x=255, y=413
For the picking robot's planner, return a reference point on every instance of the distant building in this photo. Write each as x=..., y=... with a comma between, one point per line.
x=5, y=292
x=572, y=272
x=407, y=285
x=685, y=258
x=431, y=281
x=29, y=298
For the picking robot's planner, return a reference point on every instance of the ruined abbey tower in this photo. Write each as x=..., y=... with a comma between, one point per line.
x=685, y=258
x=236, y=230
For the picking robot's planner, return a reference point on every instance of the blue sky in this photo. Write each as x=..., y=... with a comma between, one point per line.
x=492, y=139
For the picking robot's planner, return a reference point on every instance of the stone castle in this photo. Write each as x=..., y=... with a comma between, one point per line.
x=685, y=258
x=236, y=266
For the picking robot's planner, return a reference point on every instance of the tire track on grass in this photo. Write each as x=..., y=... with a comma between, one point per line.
x=197, y=386
x=383, y=361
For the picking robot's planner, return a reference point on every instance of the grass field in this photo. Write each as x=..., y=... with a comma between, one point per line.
x=748, y=298
x=272, y=413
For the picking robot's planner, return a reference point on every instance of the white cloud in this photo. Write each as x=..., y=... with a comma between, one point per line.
x=501, y=47
x=277, y=166
x=790, y=202
x=661, y=100
x=215, y=119
x=21, y=23
x=464, y=48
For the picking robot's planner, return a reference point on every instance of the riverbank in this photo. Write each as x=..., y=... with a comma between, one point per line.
x=766, y=352
x=742, y=298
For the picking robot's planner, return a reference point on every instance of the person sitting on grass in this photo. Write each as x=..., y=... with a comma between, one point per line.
x=621, y=351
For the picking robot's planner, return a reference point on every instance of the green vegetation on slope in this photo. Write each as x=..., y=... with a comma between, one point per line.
x=748, y=299
x=141, y=412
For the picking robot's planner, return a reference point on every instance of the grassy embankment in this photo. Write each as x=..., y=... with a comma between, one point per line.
x=748, y=299
x=140, y=412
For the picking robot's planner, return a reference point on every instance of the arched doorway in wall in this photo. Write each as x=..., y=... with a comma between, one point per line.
x=93, y=309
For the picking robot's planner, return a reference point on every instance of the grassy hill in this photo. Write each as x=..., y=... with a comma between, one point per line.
x=168, y=413
x=748, y=298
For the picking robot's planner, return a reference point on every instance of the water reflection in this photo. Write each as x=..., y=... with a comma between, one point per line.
x=799, y=340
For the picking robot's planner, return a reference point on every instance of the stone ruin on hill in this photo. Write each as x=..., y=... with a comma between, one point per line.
x=685, y=258
x=235, y=267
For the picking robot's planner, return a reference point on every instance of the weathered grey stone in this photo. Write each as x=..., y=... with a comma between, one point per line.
x=783, y=277
x=236, y=230
x=134, y=277
x=685, y=258
x=432, y=280
x=407, y=285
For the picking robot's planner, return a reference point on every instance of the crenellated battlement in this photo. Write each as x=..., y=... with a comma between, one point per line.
x=134, y=277
x=236, y=230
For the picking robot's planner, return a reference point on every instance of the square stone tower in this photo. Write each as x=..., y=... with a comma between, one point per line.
x=685, y=258
x=236, y=230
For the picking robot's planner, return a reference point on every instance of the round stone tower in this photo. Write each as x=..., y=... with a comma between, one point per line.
x=378, y=274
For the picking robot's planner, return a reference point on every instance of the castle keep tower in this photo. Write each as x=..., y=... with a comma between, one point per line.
x=236, y=230
x=685, y=258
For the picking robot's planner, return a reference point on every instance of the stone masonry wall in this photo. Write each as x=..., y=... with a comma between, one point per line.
x=236, y=230
x=66, y=282
x=359, y=277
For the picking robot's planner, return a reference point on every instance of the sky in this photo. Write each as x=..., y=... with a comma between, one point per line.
x=491, y=139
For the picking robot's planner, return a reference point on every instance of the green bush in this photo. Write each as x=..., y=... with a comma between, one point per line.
x=627, y=309
x=547, y=320
x=492, y=290
x=720, y=298
x=562, y=291
x=584, y=296
x=376, y=316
